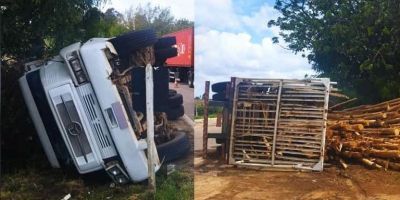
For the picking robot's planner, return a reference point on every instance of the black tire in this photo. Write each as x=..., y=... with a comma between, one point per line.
x=219, y=97
x=171, y=92
x=175, y=148
x=219, y=87
x=173, y=113
x=161, y=85
x=220, y=141
x=133, y=40
x=165, y=42
x=175, y=101
x=162, y=54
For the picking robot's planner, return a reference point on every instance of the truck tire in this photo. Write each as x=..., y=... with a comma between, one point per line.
x=175, y=101
x=171, y=92
x=219, y=87
x=165, y=42
x=131, y=41
x=219, y=97
x=165, y=53
x=161, y=84
x=175, y=148
x=173, y=113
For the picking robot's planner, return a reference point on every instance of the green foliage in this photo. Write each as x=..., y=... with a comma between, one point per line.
x=46, y=183
x=354, y=42
x=26, y=25
x=155, y=17
x=212, y=110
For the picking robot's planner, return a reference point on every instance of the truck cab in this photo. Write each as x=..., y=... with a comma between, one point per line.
x=80, y=116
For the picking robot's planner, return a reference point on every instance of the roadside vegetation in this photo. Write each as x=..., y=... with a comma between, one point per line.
x=212, y=111
x=354, y=42
x=48, y=183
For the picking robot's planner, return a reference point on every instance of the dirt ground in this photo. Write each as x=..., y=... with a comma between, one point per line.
x=216, y=180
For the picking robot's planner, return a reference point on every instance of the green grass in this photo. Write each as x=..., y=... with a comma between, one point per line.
x=212, y=115
x=54, y=184
x=212, y=110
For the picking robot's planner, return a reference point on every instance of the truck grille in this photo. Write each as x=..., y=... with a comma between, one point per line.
x=73, y=125
x=97, y=121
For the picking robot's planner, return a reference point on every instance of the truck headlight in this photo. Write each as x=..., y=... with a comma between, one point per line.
x=77, y=68
x=80, y=77
x=75, y=64
x=115, y=171
x=122, y=179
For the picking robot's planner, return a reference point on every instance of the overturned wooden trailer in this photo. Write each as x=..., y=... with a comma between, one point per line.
x=276, y=123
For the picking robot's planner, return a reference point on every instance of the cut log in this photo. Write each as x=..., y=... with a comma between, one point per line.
x=393, y=121
x=350, y=154
x=370, y=163
x=376, y=124
x=382, y=131
x=384, y=153
x=377, y=115
x=390, y=165
x=344, y=165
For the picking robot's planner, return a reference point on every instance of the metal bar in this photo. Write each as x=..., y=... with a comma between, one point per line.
x=233, y=100
x=325, y=117
x=276, y=121
x=150, y=128
x=205, y=118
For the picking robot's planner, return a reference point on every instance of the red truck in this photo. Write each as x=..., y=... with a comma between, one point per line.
x=184, y=62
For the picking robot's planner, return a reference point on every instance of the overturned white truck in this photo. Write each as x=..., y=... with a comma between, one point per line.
x=81, y=117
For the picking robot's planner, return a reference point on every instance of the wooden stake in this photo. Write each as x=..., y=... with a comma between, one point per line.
x=150, y=128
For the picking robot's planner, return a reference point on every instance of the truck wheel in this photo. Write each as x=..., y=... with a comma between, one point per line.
x=175, y=148
x=219, y=87
x=171, y=92
x=165, y=42
x=173, y=113
x=133, y=40
x=162, y=54
x=175, y=101
x=219, y=97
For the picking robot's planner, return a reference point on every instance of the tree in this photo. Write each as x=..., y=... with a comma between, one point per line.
x=107, y=24
x=354, y=42
x=155, y=17
x=40, y=27
x=31, y=30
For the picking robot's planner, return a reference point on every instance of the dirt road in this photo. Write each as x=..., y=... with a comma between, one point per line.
x=216, y=180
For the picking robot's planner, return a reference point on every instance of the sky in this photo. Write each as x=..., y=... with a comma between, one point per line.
x=231, y=39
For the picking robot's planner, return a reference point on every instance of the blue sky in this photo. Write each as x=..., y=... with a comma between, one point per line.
x=247, y=8
x=232, y=39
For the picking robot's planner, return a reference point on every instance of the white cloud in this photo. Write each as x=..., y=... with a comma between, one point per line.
x=224, y=50
x=179, y=8
x=216, y=14
x=258, y=21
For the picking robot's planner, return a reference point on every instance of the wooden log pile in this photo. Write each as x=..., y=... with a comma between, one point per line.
x=369, y=134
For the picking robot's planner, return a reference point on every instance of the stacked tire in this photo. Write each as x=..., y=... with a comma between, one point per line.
x=165, y=100
x=163, y=50
x=175, y=107
x=160, y=83
x=220, y=91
